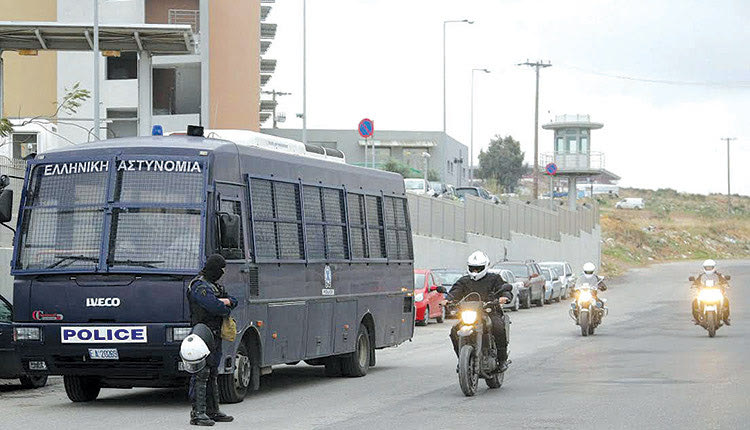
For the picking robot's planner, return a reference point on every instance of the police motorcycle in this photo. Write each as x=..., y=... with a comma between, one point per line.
x=477, y=352
x=584, y=308
x=710, y=299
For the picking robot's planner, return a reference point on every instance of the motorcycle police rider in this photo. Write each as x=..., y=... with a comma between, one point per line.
x=710, y=273
x=209, y=304
x=488, y=286
x=591, y=278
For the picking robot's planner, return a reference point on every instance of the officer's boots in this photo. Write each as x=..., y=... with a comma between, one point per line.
x=212, y=404
x=198, y=415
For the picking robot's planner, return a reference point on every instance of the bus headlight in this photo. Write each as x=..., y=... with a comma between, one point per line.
x=178, y=334
x=419, y=297
x=469, y=317
x=27, y=333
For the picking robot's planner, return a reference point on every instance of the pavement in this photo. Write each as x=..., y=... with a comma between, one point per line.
x=647, y=367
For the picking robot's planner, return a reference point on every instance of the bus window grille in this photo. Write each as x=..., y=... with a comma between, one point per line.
x=376, y=234
x=357, y=226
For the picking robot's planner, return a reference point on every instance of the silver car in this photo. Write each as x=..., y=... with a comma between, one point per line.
x=554, y=288
x=510, y=278
x=567, y=277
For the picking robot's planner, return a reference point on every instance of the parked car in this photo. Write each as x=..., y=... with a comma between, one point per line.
x=418, y=186
x=517, y=285
x=530, y=274
x=479, y=192
x=553, y=291
x=630, y=203
x=448, y=278
x=427, y=300
x=567, y=277
x=10, y=361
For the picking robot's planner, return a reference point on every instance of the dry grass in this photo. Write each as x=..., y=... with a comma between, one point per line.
x=673, y=226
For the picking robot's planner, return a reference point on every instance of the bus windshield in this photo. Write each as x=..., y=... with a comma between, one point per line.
x=78, y=216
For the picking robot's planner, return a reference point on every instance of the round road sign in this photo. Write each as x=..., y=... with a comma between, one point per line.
x=366, y=128
x=551, y=169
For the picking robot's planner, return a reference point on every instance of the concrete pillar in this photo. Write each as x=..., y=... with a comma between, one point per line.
x=145, y=93
x=2, y=88
x=572, y=192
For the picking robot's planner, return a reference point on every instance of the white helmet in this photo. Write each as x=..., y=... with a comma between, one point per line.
x=709, y=267
x=478, y=263
x=589, y=268
x=193, y=352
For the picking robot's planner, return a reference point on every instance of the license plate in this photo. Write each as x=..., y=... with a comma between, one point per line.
x=103, y=354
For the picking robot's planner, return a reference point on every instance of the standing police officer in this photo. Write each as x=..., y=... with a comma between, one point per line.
x=209, y=305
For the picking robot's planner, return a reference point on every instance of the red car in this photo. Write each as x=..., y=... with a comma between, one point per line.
x=428, y=302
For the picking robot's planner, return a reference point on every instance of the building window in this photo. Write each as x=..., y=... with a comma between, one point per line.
x=584, y=145
x=572, y=145
x=185, y=16
x=559, y=144
x=123, y=67
x=24, y=144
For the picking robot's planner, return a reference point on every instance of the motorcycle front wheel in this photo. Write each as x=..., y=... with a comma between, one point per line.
x=711, y=323
x=583, y=321
x=468, y=374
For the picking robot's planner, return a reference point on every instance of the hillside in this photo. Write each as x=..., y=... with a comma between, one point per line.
x=674, y=226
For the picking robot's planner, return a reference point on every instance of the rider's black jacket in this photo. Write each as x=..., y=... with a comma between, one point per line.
x=491, y=286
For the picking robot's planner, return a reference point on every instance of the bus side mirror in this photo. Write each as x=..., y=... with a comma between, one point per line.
x=6, y=205
x=229, y=231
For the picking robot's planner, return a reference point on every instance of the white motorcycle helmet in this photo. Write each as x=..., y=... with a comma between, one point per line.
x=589, y=268
x=478, y=263
x=709, y=267
x=194, y=349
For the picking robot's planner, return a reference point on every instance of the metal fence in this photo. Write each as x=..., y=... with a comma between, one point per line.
x=451, y=220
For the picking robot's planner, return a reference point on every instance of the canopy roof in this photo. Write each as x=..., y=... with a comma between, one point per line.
x=157, y=39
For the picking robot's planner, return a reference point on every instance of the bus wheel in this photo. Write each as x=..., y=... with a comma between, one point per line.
x=81, y=388
x=233, y=387
x=356, y=363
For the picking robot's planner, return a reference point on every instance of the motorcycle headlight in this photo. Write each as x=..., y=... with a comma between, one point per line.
x=710, y=295
x=419, y=297
x=584, y=296
x=469, y=317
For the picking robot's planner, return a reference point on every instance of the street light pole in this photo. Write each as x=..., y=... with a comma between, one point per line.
x=304, y=72
x=444, y=25
x=471, y=144
x=729, y=180
x=426, y=155
x=96, y=69
x=536, y=66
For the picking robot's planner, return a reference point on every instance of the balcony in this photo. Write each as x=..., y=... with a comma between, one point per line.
x=267, y=65
x=574, y=163
x=267, y=31
x=185, y=16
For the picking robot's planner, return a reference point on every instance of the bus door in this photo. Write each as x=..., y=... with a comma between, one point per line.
x=240, y=277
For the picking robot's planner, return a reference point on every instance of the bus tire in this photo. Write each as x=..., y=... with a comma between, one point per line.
x=233, y=387
x=357, y=363
x=81, y=388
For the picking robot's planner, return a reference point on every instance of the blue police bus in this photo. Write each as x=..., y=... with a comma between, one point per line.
x=109, y=234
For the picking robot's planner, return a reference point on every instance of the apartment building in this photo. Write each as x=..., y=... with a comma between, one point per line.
x=217, y=85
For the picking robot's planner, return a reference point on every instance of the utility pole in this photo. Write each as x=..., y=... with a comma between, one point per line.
x=538, y=65
x=304, y=72
x=471, y=145
x=96, y=69
x=445, y=23
x=275, y=93
x=729, y=180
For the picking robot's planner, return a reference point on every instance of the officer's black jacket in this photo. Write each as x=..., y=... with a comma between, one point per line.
x=491, y=286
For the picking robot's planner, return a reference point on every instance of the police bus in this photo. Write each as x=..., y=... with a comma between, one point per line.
x=109, y=234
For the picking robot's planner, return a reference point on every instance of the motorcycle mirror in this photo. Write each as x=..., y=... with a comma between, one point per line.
x=691, y=279
x=728, y=277
x=441, y=290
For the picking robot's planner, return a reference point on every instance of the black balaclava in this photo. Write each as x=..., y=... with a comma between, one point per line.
x=214, y=268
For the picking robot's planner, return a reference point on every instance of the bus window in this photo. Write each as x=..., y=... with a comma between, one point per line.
x=316, y=249
x=357, y=227
x=277, y=221
x=325, y=223
x=233, y=207
x=375, y=226
x=398, y=236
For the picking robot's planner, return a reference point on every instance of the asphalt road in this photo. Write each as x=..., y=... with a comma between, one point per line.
x=646, y=367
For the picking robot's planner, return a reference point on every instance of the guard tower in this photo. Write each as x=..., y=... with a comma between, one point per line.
x=572, y=151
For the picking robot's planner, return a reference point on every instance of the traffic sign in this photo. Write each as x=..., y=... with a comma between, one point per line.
x=366, y=128
x=551, y=169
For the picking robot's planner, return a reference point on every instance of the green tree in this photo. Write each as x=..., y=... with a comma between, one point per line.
x=71, y=101
x=502, y=162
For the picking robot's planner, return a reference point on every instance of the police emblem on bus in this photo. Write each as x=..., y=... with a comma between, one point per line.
x=328, y=279
x=102, y=302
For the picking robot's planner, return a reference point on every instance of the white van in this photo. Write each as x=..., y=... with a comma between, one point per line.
x=630, y=203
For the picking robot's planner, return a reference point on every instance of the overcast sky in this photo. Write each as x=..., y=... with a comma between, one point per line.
x=382, y=59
